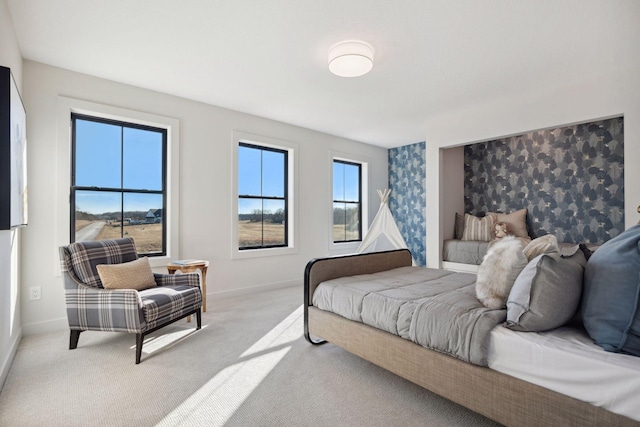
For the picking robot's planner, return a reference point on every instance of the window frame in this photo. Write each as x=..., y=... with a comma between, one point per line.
x=363, y=161
x=64, y=108
x=122, y=190
x=285, y=197
x=345, y=201
x=292, y=193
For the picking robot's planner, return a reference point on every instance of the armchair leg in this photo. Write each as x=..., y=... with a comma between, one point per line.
x=73, y=339
x=199, y=319
x=139, y=340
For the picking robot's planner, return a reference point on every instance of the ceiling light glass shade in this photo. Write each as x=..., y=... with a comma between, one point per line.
x=350, y=58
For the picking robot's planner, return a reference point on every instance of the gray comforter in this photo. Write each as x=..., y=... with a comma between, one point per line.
x=437, y=309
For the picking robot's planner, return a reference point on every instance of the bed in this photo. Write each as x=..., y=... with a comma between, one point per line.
x=505, y=393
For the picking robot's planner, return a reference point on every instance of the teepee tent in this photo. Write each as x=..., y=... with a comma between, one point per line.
x=383, y=234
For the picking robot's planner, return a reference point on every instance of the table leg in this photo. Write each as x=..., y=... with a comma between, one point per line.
x=204, y=288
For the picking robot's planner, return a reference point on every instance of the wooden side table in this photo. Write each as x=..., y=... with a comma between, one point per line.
x=192, y=268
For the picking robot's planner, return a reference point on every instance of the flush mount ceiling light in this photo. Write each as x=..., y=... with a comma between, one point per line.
x=351, y=58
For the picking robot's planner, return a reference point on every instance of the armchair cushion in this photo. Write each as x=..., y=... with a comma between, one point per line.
x=128, y=275
x=85, y=256
x=161, y=304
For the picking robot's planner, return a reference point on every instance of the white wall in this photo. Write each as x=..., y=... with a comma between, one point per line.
x=612, y=94
x=453, y=188
x=10, y=325
x=205, y=187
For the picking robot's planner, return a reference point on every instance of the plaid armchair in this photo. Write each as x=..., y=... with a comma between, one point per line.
x=91, y=307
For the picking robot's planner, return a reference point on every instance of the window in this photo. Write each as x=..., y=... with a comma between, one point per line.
x=262, y=197
x=119, y=182
x=347, y=201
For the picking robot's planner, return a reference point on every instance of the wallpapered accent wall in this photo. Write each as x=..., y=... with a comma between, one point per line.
x=570, y=179
x=407, y=200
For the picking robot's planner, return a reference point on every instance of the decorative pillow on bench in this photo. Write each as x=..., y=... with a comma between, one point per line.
x=471, y=227
x=517, y=222
x=476, y=228
x=458, y=230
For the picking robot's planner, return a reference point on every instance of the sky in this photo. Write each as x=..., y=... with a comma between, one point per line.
x=101, y=146
x=99, y=149
x=345, y=182
x=260, y=173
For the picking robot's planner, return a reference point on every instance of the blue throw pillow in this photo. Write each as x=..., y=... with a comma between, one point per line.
x=611, y=295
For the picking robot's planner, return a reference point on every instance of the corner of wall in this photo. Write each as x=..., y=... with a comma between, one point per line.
x=8, y=357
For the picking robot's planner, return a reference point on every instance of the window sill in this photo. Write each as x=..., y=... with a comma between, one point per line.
x=346, y=246
x=259, y=253
x=159, y=261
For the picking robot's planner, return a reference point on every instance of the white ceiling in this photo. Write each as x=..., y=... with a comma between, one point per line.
x=269, y=57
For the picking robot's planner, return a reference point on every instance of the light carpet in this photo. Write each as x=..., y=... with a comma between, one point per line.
x=248, y=366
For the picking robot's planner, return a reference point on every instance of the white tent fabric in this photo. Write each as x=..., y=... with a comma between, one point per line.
x=383, y=234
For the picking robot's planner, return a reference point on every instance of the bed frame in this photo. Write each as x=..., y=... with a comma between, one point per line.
x=505, y=399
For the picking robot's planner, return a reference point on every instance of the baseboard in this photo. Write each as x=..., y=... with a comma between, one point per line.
x=253, y=289
x=6, y=363
x=54, y=325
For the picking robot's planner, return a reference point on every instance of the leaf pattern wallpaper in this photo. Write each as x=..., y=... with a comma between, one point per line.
x=570, y=179
x=407, y=199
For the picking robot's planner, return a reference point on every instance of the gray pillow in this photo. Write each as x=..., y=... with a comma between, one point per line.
x=547, y=293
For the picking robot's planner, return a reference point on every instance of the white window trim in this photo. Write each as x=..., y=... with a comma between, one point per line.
x=364, y=163
x=292, y=149
x=66, y=106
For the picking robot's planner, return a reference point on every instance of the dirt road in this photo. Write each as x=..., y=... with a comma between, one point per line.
x=89, y=232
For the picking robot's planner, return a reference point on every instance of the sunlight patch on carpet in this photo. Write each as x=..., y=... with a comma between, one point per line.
x=284, y=333
x=216, y=401
x=155, y=343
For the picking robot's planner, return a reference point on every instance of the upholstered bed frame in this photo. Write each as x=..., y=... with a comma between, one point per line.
x=505, y=399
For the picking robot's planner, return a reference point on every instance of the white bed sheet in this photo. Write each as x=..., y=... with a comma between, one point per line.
x=567, y=361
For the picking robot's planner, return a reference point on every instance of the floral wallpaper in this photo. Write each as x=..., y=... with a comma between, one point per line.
x=570, y=179
x=407, y=199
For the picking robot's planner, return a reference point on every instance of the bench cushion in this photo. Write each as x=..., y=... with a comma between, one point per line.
x=464, y=251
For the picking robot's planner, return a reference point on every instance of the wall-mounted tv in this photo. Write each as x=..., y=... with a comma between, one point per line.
x=13, y=154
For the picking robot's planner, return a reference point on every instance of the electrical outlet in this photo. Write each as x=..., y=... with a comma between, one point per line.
x=35, y=292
